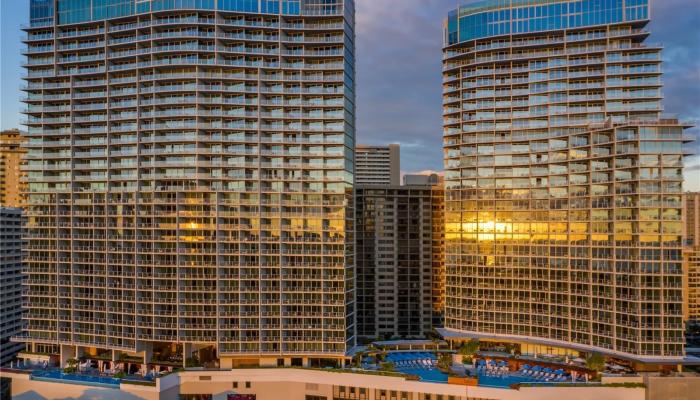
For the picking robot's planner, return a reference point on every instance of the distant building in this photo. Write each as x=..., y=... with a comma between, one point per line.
x=11, y=181
x=399, y=258
x=691, y=233
x=691, y=208
x=416, y=179
x=377, y=165
x=10, y=281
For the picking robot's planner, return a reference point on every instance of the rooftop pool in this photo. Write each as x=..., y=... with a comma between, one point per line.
x=499, y=375
x=503, y=381
x=89, y=380
x=421, y=364
x=426, y=375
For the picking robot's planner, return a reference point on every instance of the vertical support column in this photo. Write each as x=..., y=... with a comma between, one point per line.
x=67, y=352
x=79, y=351
x=186, y=353
x=147, y=348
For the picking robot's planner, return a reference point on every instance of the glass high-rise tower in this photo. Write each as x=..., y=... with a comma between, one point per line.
x=563, y=181
x=188, y=168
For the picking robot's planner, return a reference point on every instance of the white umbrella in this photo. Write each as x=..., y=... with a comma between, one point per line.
x=578, y=360
x=617, y=367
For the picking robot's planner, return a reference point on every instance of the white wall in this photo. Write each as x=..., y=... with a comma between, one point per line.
x=292, y=384
x=25, y=389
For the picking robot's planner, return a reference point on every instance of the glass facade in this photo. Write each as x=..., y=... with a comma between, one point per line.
x=563, y=182
x=76, y=11
x=188, y=173
x=41, y=12
x=491, y=18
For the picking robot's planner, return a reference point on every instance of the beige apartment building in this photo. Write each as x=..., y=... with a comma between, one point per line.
x=188, y=173
x=11, y=175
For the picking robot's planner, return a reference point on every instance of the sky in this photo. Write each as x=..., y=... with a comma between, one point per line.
x=399, y=72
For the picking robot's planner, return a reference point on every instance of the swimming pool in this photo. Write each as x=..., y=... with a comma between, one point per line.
x=89, y=380
x=426, y=375
x=410, y=356
x=421, y=364
x=503, y=381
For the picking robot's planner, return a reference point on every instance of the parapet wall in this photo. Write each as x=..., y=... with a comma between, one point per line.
x=296, y=384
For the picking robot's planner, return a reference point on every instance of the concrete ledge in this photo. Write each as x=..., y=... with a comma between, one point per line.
x=296, y=384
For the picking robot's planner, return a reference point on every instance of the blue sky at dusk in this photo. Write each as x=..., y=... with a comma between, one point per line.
x=399, y=72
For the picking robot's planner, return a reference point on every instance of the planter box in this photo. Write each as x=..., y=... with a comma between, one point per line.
x=465, y=381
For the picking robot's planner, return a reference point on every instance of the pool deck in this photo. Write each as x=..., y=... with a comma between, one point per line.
x=58, y=376
x=87, y=380
x=423, y=365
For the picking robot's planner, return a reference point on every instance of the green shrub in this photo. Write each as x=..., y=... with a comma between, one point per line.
x=386, y=366
x=357, y=360
x=596, y=362
x=444, y=361
x=469, y=348
x=71, y=366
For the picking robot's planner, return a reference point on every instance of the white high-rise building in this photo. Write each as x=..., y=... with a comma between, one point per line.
x=378, y=165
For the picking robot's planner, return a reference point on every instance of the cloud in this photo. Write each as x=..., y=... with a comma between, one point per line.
x=423, y=172
x=399, y=91
x=399, y=46
x=679, y=33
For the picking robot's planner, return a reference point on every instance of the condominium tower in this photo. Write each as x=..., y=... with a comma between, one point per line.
x=378, y=165
x=691, y=228
x=11, y=174
x=399, y=259
x=562, y=182
x=691, y=233
x=188, y=168
x=10, y=281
